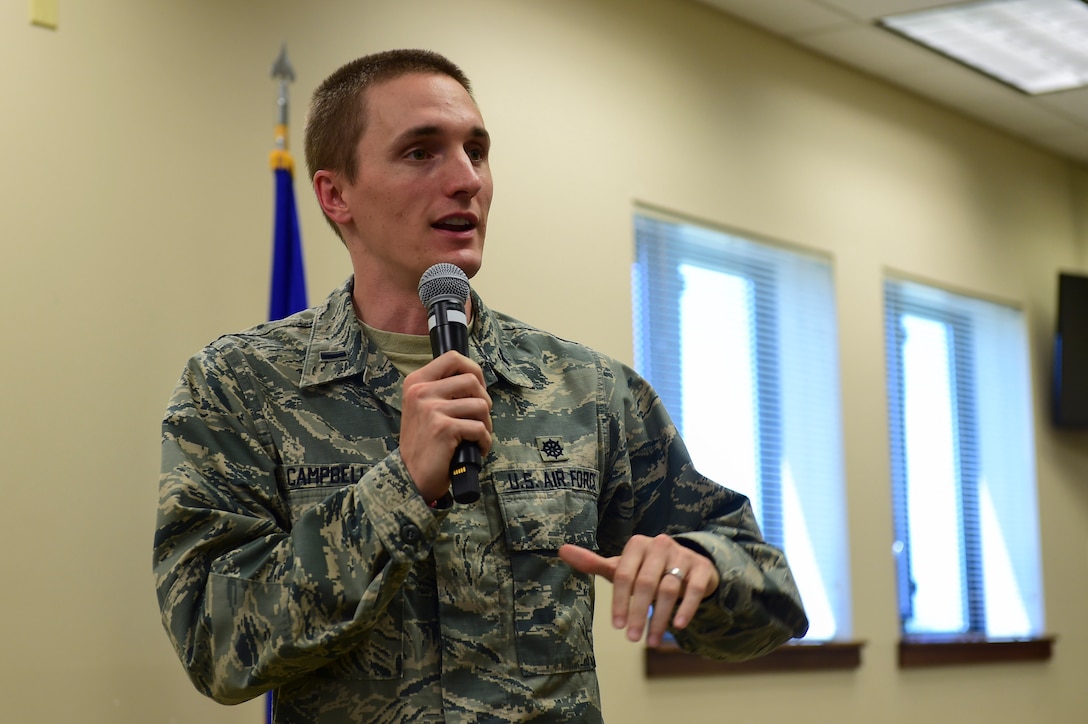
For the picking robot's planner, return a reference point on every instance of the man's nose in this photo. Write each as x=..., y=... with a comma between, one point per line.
x=463, y=176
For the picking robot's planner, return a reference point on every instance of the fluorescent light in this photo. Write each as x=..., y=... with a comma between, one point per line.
x=1038, y=46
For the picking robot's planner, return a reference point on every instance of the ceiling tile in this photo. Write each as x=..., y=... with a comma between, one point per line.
x=993, y=103
x=870, y=10
x=1073, y=104
x=874, y=50
x=782, y=17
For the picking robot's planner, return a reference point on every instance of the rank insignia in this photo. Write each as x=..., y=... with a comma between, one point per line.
x=551, y=449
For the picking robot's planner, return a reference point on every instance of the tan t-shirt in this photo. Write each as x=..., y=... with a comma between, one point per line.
x=407, y=352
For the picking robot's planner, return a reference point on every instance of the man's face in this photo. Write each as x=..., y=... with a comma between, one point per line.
x=423, y=187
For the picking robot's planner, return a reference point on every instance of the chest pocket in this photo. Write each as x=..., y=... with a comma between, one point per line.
x=302, y=500
x=553, y=604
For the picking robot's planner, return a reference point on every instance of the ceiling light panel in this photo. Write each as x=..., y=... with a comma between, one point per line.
x=1037, y=46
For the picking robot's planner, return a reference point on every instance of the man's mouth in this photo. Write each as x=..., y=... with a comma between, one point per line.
x=456, y=223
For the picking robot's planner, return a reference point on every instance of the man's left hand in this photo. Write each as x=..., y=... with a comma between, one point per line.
x=651, y=572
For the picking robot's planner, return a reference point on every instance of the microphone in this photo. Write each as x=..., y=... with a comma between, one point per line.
x=443, y=289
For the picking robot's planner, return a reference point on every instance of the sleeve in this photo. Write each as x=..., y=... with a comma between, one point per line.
x=653, y=488
x=248, y=599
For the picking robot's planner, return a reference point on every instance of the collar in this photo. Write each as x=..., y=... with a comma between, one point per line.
x=494, y=350
x=338, y=347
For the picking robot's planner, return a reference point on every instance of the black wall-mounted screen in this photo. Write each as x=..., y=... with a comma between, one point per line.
x=1070, y=404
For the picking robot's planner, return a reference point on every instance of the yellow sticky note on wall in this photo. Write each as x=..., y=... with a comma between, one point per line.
x=45, y=13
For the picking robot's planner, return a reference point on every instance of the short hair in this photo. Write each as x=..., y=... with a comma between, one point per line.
x=337, y=115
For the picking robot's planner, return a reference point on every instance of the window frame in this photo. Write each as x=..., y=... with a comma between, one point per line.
x=656, y=267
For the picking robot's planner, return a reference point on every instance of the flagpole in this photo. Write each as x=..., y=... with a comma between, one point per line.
x=288, y=288
x=284, y=73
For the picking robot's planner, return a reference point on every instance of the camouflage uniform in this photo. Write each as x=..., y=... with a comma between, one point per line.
x=293, y=551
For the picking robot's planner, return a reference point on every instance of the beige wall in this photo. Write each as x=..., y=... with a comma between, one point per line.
x=136, y=208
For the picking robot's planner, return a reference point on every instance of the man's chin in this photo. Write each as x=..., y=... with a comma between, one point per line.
x=467, y=261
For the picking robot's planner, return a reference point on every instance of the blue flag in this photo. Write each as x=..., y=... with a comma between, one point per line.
x=288, y=277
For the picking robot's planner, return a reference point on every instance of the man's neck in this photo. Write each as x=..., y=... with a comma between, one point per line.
x=391, y=310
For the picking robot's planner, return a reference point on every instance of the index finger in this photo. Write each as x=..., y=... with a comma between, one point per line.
x=447, y=365
x=586, y=561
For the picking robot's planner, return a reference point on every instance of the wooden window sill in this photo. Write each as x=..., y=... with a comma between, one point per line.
x=668, y=660
x=925, y=651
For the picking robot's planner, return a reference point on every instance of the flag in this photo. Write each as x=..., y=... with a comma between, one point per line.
x=288, y=294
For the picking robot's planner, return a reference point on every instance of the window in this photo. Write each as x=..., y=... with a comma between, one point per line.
x=739, y=340
x=963, y=487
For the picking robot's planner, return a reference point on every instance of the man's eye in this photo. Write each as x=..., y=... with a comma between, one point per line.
x=476, y=154
x=418, y=155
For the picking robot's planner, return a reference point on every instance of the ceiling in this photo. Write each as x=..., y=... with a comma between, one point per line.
x=846, y=31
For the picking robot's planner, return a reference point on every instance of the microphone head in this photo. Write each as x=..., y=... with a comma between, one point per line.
x=443, y=282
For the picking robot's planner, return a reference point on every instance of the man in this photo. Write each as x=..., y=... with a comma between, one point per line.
x=307, y=540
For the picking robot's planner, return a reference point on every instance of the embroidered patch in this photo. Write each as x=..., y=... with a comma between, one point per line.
x=551, y=449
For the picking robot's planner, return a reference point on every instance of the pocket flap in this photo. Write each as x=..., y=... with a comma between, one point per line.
x=543, y=520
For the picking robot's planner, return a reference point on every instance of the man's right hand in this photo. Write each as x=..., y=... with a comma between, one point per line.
x=444, y=403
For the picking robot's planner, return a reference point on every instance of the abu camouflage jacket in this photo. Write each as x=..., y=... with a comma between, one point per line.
x=293, y=552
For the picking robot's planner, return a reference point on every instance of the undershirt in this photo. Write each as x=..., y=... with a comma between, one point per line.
x=407, y=352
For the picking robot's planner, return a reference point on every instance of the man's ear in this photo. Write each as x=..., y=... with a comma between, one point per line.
x=327, y=187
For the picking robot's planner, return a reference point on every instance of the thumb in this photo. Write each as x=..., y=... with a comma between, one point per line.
x=586, y=561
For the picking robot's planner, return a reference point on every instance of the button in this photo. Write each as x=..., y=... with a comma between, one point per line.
x=409, y=533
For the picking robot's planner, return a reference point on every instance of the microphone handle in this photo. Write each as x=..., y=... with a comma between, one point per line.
x=448, y=335
x=465, y=473
x=465, y=465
